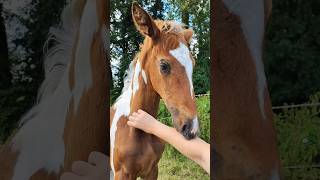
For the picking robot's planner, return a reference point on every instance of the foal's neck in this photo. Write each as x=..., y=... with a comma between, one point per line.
x=145, y=99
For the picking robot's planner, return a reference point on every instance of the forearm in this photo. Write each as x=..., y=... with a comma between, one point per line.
x=196, y=149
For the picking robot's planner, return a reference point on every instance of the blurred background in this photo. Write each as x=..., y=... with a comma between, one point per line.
x=292, y=66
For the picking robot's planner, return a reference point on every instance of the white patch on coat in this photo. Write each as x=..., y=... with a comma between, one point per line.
x=39, y=143
x=195, y=125
x=182, y=54
x=111, y=175
x=144, y=76
x=135, y=82
x=88, y=27
x=251, y=13
x=122, y=108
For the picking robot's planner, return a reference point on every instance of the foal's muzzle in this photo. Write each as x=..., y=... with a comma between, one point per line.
x=188, y=130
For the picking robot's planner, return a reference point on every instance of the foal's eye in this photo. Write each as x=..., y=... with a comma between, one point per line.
x=164, y=67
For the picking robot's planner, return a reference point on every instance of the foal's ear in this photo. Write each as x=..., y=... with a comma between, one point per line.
x=144, y=21
x=187, y=33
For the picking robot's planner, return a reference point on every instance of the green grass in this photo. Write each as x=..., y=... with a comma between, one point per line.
x=179, y=168
x=298, y=132
x=175, y=166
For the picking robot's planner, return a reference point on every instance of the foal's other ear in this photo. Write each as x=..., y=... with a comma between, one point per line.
x=144, y=22
x=187, y=33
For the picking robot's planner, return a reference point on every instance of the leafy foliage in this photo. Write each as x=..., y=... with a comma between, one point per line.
x=125, y=39
x=196, y=15
x=12, y=105
x=299, y=140
x=293, y=51
x=5, y=76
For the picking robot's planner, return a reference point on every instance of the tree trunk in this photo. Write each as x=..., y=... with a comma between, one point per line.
x=185, y=16
x=5, y=75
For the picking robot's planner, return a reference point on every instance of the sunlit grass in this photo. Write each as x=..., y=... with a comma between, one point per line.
x=179, y=168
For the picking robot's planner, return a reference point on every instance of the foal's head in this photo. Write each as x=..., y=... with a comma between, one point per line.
x=168, y=65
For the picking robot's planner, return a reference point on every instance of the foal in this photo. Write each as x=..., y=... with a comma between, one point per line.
x=163, y=69
x=244, y=134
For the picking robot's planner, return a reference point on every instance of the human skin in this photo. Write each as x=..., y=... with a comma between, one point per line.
x=94, y=169
x=196, y=149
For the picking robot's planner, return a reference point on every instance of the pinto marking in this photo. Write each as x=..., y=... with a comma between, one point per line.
x=144, y=76
x=45, y=152
x=135, y=81
x=251, y=13
x=83, y=74
x=137, y=144
x=122, y=107
x=36, y=151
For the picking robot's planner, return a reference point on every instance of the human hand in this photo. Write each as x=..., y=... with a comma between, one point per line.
x=95, y=169
x=143, y=121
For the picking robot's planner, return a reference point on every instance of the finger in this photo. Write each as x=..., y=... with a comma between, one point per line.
x=98, y=159
x=70, y=176
x=131, y=123
x=131, y=118
x=140, y=111
x=134, y=114
x=82, y=168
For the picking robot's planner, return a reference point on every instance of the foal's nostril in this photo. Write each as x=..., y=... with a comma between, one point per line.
x=186, y=130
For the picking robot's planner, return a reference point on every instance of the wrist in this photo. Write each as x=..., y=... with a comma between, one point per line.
x=157, y=128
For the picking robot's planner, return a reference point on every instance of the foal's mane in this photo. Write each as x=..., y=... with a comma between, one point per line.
x=172, y=27
x=56, y=58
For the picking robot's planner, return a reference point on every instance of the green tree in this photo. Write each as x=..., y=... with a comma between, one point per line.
x=195, y=14
x=125, y=39
x=293, y=50
x=5, y=75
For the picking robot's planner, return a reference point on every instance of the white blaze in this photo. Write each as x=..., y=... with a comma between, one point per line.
x=251, y=13
x=182, y=54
